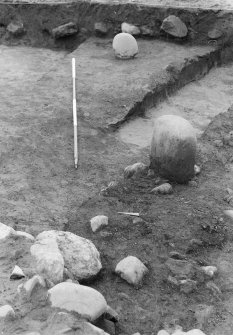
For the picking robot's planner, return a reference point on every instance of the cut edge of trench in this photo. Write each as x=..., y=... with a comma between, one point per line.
x=176, y=76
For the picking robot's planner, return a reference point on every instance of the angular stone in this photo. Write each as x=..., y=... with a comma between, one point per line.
x=86, y=301
x=16, y=28
x=5, y=231
x=101, y=29
x=131, y=269
x=180, y=268
x=98, y=222
x=6, y=311
x=17, y=273
x=30, y=284
x=125, y=46
x=81, y=257
x=174, y=26
x=64, y=30
x=173, y=148
x=130, y=29
x=137, y=169
x=49, y=261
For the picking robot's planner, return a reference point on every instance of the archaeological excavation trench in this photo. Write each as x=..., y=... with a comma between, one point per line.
x=117, y=104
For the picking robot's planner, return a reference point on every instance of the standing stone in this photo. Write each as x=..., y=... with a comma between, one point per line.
x=130, y=29
x=86, y=301
x=174, y=26
x=64, y=30
x=80, y=255
x=173, y=148
x=125, y=46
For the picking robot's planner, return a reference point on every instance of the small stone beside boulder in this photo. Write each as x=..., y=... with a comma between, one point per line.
x=101, y=29
x=131, y=269
x=136, y=170
x=130, y=29
x=98, y=222
x=174, y=26
x=86, y=301
x=64, y=30
x=6, y=311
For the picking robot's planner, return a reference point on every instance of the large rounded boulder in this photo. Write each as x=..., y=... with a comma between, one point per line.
x=125, y=46
x=173, y=148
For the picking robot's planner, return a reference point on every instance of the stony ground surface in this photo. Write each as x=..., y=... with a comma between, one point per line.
x=40, y=189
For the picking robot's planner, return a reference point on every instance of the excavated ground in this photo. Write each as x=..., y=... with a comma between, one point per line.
x=40, y=189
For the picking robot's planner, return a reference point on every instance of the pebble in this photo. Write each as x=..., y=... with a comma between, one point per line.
x=165, y=188
x=197, y=170
x=98, y=222
x=192, y=183
x=86, y=301
x=6, y=311
x=17, y=273
x=111, y=314
x=131, y=269
x=130, y=29
x=188, y=285
x=16, y=28
x=174, y=26
x=137, y=169
x=6, y=231
x=209, y=270
x=215, y=34
x=64, y=30
x=176, y=255
x=125, y=46
x=229, y=213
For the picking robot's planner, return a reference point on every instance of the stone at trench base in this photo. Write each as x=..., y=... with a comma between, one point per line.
x=173, y=148
x=125, y=46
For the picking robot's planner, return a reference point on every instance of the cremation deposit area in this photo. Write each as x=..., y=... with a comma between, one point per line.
x=113, y=247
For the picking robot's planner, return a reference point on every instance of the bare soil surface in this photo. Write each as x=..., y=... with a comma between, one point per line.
x=40, y=189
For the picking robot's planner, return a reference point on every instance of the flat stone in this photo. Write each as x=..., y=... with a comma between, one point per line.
x=101, y=29
x=229, y=213
x=131, y=269
x=165, y=188
x=49, y=261
x=125, y=46
x=136, y=170
x=81, y=258
x=130, y=29
x=98, y=222
x=16, y=29
x=64, y=30
x=6, y=311
x=174, y=26
x=180, y=268
x=215, y=34
x=6, y=231
x=86, y=301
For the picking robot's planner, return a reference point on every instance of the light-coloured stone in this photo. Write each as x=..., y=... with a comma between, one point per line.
x=81, y=257
x=64, y=30
x=197, y=170
x=6, y=311
x=98, y=222
x=229, y=213
x=125, y=46
x=131, y=269
x=209, y=270
x=174, y=26
x=137, y=169
x=6, y=231
x=25, y=235
x=30, y=284
x=163, y=332
x=101, y=28
x=130, y=29
x=48, y=258
x=17, y=273
x=203, y=313
x=173, y=148
x=16, y=28
x=165, y=188
x=84, y=300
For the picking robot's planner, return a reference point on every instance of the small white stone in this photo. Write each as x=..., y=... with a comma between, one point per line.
x=209, y=270
x=98, y=221
x=163, y=332
x=197, y=169
x=131, y=269
x=17, y=273
x=130, y=29
x=30, y=284
x=6, y=311
x=86, y=301
x=165, y=188
x=136, y=169
x=26, y=235
x=229, y=213
x=5, y=231
x=125, y=46
x=49, y=260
